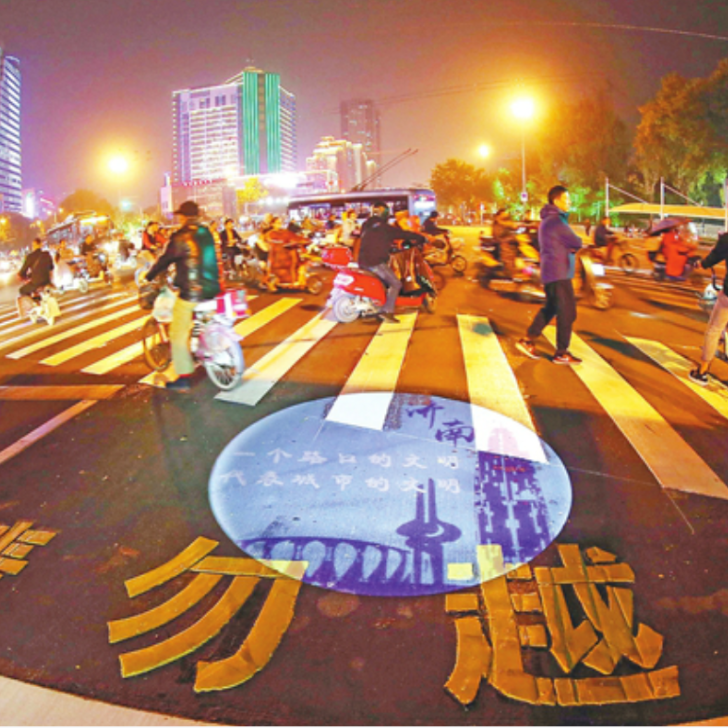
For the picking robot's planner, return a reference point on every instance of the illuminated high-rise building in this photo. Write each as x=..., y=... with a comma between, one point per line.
x=10, y=172
x=360, y=125
x=244, y=126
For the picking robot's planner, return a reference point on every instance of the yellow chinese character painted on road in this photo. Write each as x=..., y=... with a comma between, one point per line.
x=16, y=542
x=258, y=647
x=523, y=613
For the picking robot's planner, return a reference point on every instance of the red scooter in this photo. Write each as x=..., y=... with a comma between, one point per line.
x=358, y=292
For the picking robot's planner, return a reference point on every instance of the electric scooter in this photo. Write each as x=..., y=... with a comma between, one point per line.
x=358, y=292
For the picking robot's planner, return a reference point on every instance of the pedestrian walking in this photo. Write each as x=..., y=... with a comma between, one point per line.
x=718, y=317
x=558, y=244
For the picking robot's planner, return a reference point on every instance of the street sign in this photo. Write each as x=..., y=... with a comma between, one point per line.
x=524, y=196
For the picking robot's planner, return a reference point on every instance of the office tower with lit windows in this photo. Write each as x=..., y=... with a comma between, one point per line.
x=360, y=125
x=244, y=126
x=10, y=172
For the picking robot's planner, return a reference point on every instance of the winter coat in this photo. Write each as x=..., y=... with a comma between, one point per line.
x=558, y=244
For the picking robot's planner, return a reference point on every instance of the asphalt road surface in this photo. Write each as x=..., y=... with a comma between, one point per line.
x=368, y=486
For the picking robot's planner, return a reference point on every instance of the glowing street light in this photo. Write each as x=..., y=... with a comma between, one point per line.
x=118, y=164
x=484, y=151
x=523, y=109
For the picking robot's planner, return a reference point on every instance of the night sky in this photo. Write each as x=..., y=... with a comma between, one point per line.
x=98, y=75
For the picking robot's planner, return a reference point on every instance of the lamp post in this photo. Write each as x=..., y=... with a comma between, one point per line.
x=523, y=109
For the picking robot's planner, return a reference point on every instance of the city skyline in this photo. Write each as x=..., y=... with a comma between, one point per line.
x=98, y=76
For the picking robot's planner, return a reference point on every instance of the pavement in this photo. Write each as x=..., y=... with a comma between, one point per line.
x=385, y=524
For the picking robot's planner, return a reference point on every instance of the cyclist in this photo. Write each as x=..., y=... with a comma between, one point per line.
x=193, y=252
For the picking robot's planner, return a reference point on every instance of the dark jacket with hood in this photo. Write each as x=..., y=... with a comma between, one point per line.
x=37, y=267
x=558, y=244
x=192, y=250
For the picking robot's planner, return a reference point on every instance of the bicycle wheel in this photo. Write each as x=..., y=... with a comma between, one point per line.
x=628, y=263
x=226, y=365
x=157, y=348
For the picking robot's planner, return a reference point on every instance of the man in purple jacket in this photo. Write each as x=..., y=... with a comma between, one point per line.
x=558, y=244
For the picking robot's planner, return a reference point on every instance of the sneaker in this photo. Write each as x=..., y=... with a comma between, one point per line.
x=390, y=318
x=528, y=348
x=179, y=385
x=698, y=378
x=566, y=358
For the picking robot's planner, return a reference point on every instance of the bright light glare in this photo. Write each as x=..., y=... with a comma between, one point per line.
x=523, y=108
x=484, y=150
x=118, y=164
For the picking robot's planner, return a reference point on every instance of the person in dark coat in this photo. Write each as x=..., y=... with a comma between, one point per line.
x=558, y=244
x=36, y=269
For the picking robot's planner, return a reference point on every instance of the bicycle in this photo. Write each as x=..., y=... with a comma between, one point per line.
x=213, y=341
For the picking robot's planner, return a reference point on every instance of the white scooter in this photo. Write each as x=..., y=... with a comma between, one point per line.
x=41, y=306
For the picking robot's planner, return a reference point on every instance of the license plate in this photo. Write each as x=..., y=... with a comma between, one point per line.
x=598, y=269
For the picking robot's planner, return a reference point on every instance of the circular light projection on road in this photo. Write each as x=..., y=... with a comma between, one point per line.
x=390, y=494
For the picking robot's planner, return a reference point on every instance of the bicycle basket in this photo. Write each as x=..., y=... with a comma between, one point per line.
x=233, y=304
x=147, y=296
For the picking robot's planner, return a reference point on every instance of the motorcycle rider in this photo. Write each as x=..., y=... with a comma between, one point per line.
x=193, y=252
x=377, y=238
x=718, y=317
x=431, y=227
x=504, y=237
x=677, y=245
x=605, y=238
x=36, y=269
x=230, y=239
x=152, y=238
x=558, y=244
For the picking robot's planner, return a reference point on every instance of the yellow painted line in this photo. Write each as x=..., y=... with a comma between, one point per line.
x=259, y=379
x=94, y=391
x=258, y=647
x=94, y=343
x=715, y=394
x=492, y=386
x=197, y=550
x=103, y=366
x=45, y=429
x=377, y=371
x=191, y=639
x=50, y=340
x=197, y=589
x=671, y=460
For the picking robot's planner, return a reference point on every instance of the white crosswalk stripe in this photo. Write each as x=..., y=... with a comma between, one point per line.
x=377, y=371
x=671, y=460
x=489, y=377
x=69, y=333
x=32, y=329
x=265, y=373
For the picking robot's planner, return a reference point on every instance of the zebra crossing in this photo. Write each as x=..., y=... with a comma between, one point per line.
x=96, y=335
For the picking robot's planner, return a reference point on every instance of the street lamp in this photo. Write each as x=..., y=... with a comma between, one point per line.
x=118, y=165
x=484, y=151
x=523, y=109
